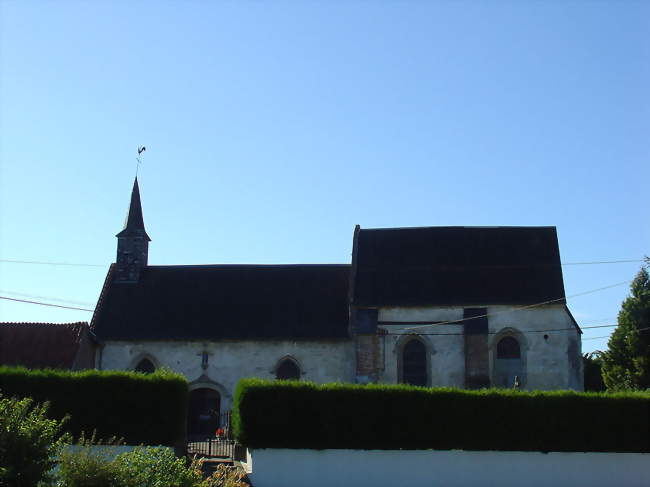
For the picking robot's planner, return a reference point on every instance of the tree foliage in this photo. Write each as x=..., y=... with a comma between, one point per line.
x=626, y=364
x=29, y=442
x=593, y=365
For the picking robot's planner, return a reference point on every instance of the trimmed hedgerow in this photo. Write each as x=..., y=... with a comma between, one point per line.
x=141, y=409
x=282, y=414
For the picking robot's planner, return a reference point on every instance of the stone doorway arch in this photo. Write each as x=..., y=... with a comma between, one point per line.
x=204, y=412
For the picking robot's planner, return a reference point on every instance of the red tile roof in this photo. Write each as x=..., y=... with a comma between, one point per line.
x=41, y=345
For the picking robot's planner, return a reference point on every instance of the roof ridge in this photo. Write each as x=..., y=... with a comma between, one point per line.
x=245, y=265
x=462, y=226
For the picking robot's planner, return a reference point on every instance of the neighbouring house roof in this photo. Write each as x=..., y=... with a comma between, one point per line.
x=215, y=302
x=438, y=266
x=41, y=345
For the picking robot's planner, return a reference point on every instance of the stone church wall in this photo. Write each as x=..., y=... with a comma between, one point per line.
x=550, y=359
x=229, y=361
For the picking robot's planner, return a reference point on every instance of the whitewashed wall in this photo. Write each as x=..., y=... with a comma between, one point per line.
x=551, y=363
x=319, y=361
x=447, y=353
x=426, y=468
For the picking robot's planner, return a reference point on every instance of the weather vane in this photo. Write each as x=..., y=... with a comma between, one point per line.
x=141, y=149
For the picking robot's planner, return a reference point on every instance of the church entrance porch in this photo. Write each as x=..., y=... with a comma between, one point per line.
x=204, y=414
x=209, y=434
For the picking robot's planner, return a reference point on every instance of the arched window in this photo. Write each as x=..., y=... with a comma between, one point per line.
x=287, y=369
x=508, y=365
x=414, y=363
x=145, y=366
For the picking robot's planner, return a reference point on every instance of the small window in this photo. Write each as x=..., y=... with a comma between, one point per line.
x=145, y=366
x=287, y=370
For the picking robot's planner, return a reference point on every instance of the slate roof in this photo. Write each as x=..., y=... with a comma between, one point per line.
x=41, y=345
x=215, y=302
x=440, y=266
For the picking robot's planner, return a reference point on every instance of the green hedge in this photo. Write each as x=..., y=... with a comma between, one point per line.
x=141, y=409
x=283, y=414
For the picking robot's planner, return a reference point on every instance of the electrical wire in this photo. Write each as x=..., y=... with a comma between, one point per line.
x=597, y=326
x=607, y=336
x=11, y=261
x=46, y=304
x=46, y=298
x=497, y=332
x=624, y=261
x=530, y=306
x=408, y=328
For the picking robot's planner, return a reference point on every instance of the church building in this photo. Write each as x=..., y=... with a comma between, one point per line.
x=459, y=306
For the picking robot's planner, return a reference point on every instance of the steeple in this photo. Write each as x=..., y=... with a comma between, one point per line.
x=132, y=241
x=134, y=222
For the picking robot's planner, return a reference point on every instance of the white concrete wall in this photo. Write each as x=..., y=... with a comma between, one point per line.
x=391, y=468
x=551, y=363
x=319, y=361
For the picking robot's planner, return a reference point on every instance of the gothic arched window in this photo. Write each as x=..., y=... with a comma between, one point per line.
x=287, y=369
x=414, y=363
x=508, y=367
x=145, y=366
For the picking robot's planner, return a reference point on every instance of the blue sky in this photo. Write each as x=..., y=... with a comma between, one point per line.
x=272, y=128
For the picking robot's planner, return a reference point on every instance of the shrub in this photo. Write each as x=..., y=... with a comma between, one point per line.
x=226, y=477
x=142, y=467
x=29, y=442
x=156, y=467
x=272, y=414
x=83, y=466
x=142, y=409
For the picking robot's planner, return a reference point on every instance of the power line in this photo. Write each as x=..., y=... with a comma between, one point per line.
x=10, y=261
x=624, y=261
x=74, y=264
x=607, y=319
x=395, y=334
x=409, y=328
x=47, y=298
x=428, y=334
x=46, y=304
x=497, y=332
x=607, y=336
x=597, y=326
x=524, y=307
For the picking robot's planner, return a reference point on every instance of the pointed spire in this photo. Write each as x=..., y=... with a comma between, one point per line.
x=134, y=223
